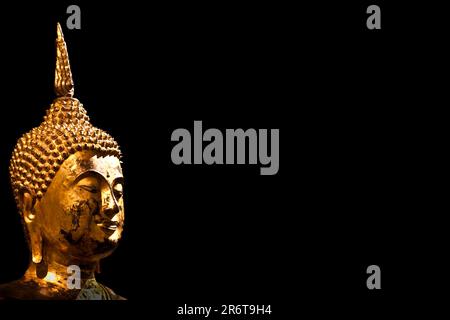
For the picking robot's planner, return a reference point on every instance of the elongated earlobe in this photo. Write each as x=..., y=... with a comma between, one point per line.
x=27, y=206
x=36, y=246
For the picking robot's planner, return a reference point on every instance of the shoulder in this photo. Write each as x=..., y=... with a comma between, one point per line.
x=112, y=295
x=21, y=290
x=7, y=291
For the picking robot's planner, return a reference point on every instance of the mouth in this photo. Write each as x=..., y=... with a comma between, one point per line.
x=109, y=225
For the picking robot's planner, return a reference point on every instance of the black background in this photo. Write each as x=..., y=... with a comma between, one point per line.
x=300, y=240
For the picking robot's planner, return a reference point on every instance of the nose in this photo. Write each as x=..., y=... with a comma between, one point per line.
x=109, y=203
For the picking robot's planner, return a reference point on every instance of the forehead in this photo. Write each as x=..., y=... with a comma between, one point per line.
x=80, y=162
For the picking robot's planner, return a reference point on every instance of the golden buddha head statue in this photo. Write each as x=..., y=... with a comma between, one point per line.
x=67, y=181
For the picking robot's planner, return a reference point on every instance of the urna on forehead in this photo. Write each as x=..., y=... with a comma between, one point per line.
x=66, y=130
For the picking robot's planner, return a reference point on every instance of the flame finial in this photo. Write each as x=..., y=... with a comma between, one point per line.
x=63, y=76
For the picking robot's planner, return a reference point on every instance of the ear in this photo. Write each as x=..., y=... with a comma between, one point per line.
x=27, y=205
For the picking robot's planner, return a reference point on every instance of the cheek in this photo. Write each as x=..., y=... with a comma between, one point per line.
x=121, y=211
x=78, y=216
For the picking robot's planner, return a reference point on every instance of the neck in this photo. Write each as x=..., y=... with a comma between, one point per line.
x=59, y=272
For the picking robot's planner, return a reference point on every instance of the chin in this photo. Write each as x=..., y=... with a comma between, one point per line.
x=94, y=257
x=93, y=250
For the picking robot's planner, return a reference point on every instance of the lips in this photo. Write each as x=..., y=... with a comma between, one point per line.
x=109, y=225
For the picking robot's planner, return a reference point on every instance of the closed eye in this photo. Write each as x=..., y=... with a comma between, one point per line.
x=91, y=189
x=118, y=190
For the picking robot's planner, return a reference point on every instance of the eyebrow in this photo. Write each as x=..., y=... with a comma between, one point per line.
x=95, y=172
x=87, y=173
